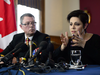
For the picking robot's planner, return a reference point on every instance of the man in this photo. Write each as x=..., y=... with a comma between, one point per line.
x=28, y=25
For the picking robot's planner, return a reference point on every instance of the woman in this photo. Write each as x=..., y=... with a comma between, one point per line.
x=88, y=43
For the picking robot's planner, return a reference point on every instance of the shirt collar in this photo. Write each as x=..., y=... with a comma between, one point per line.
x=28, y=37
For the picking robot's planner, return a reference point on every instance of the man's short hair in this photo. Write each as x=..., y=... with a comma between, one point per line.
x=26, y=14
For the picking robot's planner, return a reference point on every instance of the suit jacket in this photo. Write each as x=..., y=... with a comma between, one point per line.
x=38, y=37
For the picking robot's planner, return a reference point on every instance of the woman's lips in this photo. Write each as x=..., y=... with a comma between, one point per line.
x=73, y=31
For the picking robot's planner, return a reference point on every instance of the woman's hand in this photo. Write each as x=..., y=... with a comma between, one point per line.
x=64, y=40
x=78, y=40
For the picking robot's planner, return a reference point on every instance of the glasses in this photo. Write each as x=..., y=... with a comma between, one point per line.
x=28, y=23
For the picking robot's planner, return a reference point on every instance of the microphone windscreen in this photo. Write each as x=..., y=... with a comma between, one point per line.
x=43, y=44
x=16, y=48
x=22, y=48
x=50, y=47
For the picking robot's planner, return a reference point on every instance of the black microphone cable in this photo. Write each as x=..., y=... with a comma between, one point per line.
x=19, y=65
x=40, y=69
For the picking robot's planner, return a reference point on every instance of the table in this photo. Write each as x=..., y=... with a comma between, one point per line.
x=89, y=70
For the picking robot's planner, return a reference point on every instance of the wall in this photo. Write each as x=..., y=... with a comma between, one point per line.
x=55, y=15
x=93, y=7
x=68, y=6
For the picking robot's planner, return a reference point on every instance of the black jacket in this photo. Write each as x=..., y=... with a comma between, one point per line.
x=90, y=54
x=38, y=38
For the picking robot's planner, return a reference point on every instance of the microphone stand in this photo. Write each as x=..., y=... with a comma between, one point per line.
x=30, y=54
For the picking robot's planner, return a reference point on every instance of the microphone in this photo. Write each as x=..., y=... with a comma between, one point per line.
x=30, y=44
x=50, y=61
x=42, y=45
x=33, y=46
x=16, y=47
x=10, y=55
x=50, y=49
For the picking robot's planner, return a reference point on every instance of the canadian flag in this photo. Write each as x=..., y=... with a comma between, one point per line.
x=7, y=23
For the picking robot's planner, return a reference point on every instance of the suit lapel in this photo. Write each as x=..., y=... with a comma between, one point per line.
x=35, y=37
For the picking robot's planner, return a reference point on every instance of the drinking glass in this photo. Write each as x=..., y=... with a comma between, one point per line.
x=75, y=57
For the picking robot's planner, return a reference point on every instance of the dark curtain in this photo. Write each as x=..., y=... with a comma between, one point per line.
x=31, y=3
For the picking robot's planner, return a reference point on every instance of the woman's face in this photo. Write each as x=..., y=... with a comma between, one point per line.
x=76, y=25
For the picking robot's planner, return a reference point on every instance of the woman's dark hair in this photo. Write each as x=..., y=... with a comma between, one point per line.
x=80, y=14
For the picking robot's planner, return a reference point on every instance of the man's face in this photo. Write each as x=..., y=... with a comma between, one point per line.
x=28, y=25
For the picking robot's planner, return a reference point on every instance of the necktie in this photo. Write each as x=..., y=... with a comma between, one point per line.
x=27, y=41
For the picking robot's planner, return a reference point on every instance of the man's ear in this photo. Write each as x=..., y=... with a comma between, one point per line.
x=20, y=26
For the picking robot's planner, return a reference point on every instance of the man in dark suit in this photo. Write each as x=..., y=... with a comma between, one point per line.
x=28, y=25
